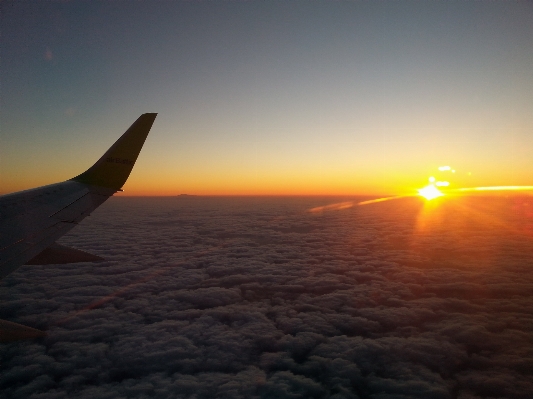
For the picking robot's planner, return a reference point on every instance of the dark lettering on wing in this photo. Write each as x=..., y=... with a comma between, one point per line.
x=119, y=160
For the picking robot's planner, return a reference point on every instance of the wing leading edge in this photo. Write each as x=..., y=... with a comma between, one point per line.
x=32, y=220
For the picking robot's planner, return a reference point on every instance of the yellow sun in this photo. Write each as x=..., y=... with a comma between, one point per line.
x=430, y=192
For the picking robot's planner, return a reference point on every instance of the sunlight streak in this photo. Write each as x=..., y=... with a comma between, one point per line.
x=382, y=199
x=331, y=207
x=497, y=188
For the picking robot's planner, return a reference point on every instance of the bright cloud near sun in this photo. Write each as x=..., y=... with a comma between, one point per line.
x=431, y=191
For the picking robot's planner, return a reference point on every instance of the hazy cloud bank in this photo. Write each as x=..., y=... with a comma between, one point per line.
x=238, y=298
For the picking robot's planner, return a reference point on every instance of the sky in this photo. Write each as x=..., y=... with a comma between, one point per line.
x=271, y=297
x=269, y=98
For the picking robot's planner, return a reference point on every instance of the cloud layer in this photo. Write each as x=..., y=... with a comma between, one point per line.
x=257, y=297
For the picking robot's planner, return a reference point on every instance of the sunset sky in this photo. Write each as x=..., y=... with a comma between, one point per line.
x=269, y=97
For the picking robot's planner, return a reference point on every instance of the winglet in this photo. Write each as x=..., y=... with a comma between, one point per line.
x=114, y=167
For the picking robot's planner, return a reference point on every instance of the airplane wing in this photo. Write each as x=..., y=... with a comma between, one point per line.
x=32, y=220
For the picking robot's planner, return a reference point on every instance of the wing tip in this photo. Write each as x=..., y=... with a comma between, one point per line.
x=114, y=167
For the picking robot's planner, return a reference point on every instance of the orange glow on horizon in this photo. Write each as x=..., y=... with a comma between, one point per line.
x=289, y=184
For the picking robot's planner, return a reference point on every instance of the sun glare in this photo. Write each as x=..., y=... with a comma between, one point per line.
x=430, y=192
